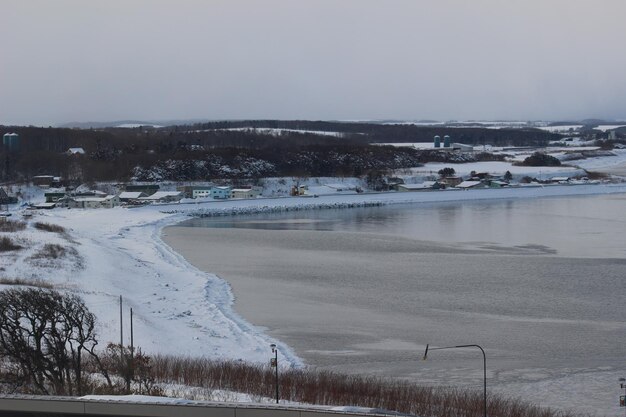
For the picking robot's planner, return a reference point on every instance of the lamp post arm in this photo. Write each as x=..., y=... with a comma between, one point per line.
x=484, y=368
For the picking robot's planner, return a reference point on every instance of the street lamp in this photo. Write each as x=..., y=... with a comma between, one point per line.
x=274, y=364
x=622, y=398
x=484, y=369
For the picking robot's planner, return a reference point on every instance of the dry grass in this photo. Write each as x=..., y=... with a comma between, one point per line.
x=204, y=376
x=7, y=244
x=26, y=282
x=10, y=226
x=48, y=227
x=50, y=251
x=321, y=387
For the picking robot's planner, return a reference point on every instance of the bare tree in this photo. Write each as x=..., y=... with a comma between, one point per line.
x=48, y=335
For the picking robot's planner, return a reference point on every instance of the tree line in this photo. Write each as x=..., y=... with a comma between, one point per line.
x=116, y=153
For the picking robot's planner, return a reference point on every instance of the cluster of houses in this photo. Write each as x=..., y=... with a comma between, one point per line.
x=140, y=195
x=476, y=180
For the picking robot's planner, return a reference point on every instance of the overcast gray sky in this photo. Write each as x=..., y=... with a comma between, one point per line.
x=87, y=60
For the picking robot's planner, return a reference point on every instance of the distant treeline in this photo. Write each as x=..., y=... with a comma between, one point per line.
x=382, y=133
x=234, y=149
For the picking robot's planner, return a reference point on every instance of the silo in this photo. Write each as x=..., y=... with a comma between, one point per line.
x=11, y=141
x=446, y=141
x=437, y=141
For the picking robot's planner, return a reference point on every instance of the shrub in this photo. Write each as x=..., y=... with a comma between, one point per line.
x=50, y=251
x=26, y=282
x=55, y=228
x=539, y=159
x=6, y=244
x=12, y=226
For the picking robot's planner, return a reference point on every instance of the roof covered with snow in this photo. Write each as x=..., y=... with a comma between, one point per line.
x=469, y=184
x=131, y=194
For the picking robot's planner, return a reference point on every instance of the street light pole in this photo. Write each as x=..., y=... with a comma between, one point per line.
x=274, y=364
x=484, y=369
x=622, y=399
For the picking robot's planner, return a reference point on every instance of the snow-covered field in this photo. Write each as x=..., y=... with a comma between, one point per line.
x=604, y=128
x=560, y=129
x=277, y=131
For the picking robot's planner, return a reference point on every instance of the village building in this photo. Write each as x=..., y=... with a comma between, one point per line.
x=466, y=185
x=221, y=193
x=53, y=196
x=252, y=192
x=424, y=186
x=163, y=197
x=451, y=181
x=196, y=191
x=90, y=193
x=131, y=196
x=149, y=189
x=497, y=183
x=109, y=201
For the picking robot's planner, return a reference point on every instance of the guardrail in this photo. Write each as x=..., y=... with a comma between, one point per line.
x=46, y=406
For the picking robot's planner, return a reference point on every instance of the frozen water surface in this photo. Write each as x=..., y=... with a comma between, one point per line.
x=539, y=283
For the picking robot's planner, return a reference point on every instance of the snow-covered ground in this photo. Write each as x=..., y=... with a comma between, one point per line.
x=277, y=131
x=560, y=129
x=177, y=309
x=136, y=125
x=604, y=128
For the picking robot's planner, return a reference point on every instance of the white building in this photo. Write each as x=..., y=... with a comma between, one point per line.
x=163, y=197
x=109, y=201
x=75, y=151
x=252, y=192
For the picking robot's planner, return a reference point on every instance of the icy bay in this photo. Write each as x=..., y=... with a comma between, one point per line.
x=538, y=282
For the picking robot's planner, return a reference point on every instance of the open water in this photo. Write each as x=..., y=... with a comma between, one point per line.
x=539, y=283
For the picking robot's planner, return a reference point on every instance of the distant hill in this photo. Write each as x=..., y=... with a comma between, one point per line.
x=131, y=123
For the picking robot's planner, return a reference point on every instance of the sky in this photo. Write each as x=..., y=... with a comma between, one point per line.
x=84, y=60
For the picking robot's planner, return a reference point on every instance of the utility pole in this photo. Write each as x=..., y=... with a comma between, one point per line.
x=131, y=370
x=121, y=331
x=274, y=364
